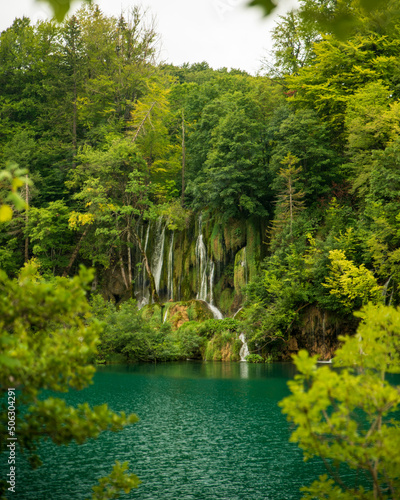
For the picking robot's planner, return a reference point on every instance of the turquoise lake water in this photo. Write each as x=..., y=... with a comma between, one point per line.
x=207, y=431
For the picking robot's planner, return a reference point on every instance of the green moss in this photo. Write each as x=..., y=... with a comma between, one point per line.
x=236, y=346
x=217, y=244
x=192, y=253
x=226, y=299
x=234, y=234
x=198, y=311
x=222, y=347
x=253, y=248
x=240, y=270
x=189, y=310
x=151, y=312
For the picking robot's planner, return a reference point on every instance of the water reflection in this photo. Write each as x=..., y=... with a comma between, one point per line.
x=244, y=370
x=205, y=369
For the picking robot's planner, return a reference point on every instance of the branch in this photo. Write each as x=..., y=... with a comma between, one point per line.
x=142, y=123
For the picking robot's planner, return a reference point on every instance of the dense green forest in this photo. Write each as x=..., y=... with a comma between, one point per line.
x=274, y=197
x=113, y=139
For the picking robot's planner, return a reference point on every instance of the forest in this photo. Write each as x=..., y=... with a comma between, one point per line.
x=272, y=199
x=303, y=157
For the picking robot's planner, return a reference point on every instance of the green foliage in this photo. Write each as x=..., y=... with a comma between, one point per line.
x=277, y=298
x=49, y=232
x=126, y=332
x=110, y=486
x=254, y=358
x=11, y=179
x=45, y=344
x=189, y=340
x=352, y=285
x=293, y=39
x=226, y=150
x=303, y=134
x=290, y=200
x=349, y=416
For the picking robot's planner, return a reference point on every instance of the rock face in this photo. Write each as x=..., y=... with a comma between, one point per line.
x=318, y=333
x=178, y=313
x=209, y=261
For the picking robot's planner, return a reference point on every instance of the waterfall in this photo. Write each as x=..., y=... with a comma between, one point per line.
x=211, y=282
x=201, y=261
x=244, y=350
x=170, y=279
x=158, y=255
x=144, y=292
x=216, y=312
x=205, y=286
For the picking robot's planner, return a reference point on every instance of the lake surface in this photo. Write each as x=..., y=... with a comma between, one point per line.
x=206, y=431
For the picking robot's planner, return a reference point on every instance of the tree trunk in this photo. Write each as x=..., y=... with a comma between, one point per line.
x=130, y=280
x=121, y=263
x=26, y=219
x=75, y=253
x=74, y=118
x=153, y=290
x=142, y=123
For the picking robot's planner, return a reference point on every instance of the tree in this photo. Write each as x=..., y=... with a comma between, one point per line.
x=290, y=200
x=349, y=416
x=339, y=17
x=293, y=38
x=50, y=236
x=339, y=69
x=303, y=134
x=227, y=151
x=113, y=190
x=46, y=344
x=353, y=286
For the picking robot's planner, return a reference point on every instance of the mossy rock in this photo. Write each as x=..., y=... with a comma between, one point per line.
x=240, y=270
x=179, y=313
x=226, y=299
x=253, y=248
x=151, y=311
x=234, y=235
x=217, y=243
x=222, y=347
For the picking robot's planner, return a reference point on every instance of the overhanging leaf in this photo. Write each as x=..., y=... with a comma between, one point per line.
x=267, y=5
x=60, y=7
x=5, y=213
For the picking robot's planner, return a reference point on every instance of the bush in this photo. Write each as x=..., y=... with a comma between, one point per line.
x=254, y=358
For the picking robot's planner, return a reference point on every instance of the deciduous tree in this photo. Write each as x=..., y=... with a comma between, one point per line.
x=348, y=417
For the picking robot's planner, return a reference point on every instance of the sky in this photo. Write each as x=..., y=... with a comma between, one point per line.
x=224, y=33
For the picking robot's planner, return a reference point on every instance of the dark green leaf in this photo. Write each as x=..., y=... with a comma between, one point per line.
x=267, y=5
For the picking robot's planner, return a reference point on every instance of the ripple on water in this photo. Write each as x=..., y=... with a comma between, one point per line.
x=206, y=431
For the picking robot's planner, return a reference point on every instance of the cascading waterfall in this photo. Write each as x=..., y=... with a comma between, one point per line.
x=216, y=312
x=170, y=278
x=203, y=265
x=201, y=260
x=158, y=256
x=144, y=293
x=244, y=350
x=212, y=269
x=155, y=238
